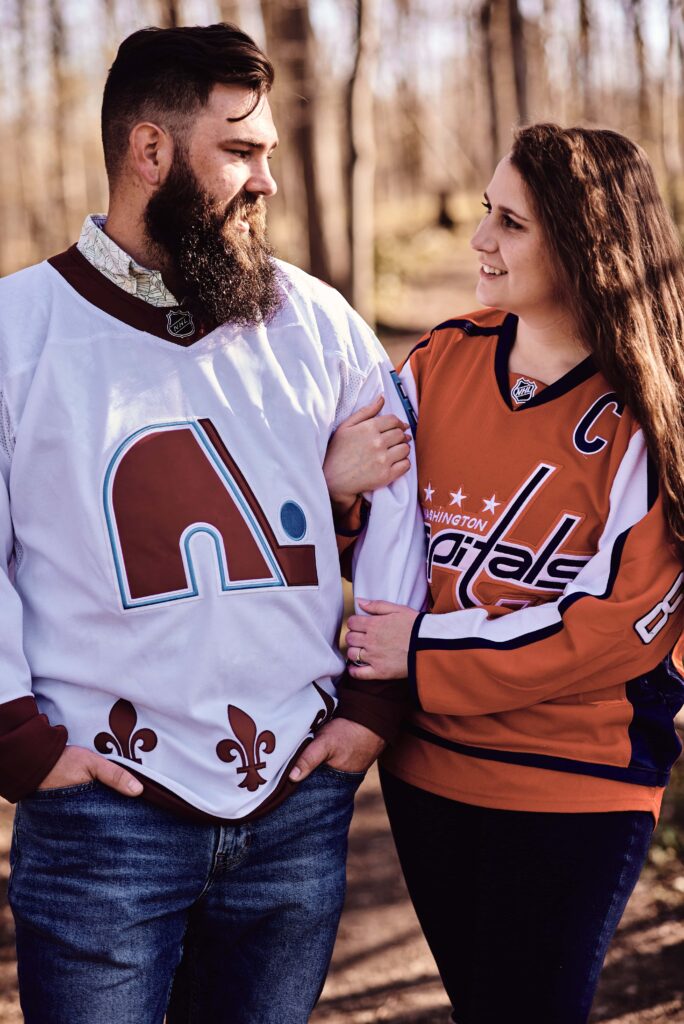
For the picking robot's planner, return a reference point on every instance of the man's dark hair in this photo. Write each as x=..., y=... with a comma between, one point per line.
x=166, y=74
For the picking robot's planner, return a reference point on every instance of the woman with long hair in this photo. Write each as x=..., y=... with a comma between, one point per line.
x=523, y=789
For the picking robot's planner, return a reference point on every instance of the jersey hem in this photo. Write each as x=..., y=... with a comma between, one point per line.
x=632, y=775
x=650, y=803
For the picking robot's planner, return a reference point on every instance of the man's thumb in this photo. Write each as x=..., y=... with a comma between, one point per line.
x=113, y=775
x=316, y=753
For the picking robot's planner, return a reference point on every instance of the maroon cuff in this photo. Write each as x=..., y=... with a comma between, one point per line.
x=347, y=528
x=354, y=520
x=29, y=747
x=379, y=705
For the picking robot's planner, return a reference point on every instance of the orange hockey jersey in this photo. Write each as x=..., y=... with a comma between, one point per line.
x=556, y=593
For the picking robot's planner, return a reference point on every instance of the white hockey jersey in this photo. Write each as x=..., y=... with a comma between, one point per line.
x=171, y=592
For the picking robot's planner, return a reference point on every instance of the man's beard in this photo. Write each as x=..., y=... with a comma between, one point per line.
x=228, y=275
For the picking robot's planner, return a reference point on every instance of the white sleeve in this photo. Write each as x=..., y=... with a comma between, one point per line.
x=389, y=557
x=29, y=745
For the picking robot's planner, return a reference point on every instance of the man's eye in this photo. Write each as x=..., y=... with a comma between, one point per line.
x=240, y=152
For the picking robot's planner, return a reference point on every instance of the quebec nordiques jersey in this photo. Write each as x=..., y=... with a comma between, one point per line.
x=555, y=589
x=176, y=595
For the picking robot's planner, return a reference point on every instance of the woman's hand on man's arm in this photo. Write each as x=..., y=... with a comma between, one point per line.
x=378, y=642
x=367, y=451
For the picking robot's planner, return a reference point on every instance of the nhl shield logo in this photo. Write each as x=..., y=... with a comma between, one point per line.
x=179, y=323
x=523, y=390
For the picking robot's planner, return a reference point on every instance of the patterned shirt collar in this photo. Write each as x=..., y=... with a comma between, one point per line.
x=116, y=265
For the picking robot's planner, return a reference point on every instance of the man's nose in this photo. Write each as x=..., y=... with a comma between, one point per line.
x=261, y=181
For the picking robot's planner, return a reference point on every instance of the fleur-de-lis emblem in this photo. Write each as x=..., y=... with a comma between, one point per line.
x=325, y=713
x=249, y=748
x=124, y=740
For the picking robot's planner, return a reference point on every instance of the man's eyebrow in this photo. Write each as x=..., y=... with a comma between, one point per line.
x=252, y=143
x=507, y=210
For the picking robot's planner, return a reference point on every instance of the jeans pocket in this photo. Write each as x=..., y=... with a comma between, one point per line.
x=13, y=856
x=59, y=792
x=338, y=773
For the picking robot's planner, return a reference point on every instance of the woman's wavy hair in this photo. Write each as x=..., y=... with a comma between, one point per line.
x=620, y=267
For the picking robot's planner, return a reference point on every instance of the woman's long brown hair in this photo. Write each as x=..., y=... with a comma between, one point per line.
x=620, y=269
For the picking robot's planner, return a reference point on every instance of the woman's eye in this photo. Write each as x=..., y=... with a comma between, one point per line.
x=508, y=222
x=487, y=207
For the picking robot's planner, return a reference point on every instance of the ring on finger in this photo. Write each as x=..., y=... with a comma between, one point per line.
x=357, y=659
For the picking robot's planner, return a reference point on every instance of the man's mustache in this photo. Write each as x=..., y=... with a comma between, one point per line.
x=244, y=206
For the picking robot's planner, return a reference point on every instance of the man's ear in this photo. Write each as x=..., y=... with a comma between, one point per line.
x=151, y=153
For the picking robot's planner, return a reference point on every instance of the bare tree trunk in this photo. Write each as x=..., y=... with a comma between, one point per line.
x=58, y=214
x=635, y=12
x=290, y=42
x=671, y=110
x=170, y=13
x=361, y=203
x=588, y=112
x=519, y=59
x=504, y=70
x=30, y=193
x=229, y=11
x=488, y=50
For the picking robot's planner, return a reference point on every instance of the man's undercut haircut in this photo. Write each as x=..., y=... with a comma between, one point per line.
x=165, y=75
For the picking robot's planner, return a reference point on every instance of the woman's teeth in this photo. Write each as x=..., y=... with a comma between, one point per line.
x=494, y=271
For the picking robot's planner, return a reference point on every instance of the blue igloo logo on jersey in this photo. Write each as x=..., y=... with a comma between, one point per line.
x=523, y=390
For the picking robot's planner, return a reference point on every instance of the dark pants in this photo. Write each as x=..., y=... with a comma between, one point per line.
x=517, y=907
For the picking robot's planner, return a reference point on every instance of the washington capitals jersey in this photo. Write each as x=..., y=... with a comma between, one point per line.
x=538, y=672
x=171, y=593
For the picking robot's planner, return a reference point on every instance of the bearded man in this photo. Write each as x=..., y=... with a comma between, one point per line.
x=170, y=599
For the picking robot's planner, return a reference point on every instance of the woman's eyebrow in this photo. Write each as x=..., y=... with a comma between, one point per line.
x=507, y=210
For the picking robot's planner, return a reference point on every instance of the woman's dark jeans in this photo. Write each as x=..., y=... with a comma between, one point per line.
x=517, y=907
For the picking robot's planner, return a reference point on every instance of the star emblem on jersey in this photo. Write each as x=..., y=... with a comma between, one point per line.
x=523, y=390
x=490, y=505
x=429, y=491
x=457, y=497
x=179, y=323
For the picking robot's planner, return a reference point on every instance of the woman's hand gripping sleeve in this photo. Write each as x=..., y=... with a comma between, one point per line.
x=388, y=563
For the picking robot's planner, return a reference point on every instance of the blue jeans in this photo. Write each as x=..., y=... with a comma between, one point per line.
x=124, y=912
x=518, y=907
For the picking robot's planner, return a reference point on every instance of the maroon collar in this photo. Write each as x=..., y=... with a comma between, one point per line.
x=174, y=324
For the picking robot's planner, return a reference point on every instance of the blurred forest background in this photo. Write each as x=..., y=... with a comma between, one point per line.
x=392, y=115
